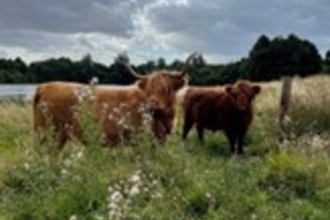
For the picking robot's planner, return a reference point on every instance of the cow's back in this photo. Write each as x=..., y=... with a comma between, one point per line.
x=119, y=108
x=208, y=107
x=52, y=102
x=56, y=104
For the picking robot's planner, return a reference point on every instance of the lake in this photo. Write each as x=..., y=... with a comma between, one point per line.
x=17, y=91
x=25, y=92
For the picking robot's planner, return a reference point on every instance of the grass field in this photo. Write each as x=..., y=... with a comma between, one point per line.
x=276, y=179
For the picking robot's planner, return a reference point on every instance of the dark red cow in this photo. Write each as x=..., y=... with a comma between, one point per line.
x=215, y=108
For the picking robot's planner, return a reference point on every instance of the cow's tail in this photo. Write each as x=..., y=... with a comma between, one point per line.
x=38, y=115
x=182, y=107
x=186, y=97
x=36, y=97
x=179, y=108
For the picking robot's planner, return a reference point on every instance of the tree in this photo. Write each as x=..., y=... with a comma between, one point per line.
x=119, y=73
x=271, y=59
x=199, y=61
x=327, y=57
x=122, y=57
x=86, y=67
x=161, y=63
x=176, y=65
x=262, y=43
x=327, y=62
x=283, y=58
x=12, y=71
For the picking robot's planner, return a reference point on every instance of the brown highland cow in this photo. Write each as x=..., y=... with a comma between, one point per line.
x=55, y=105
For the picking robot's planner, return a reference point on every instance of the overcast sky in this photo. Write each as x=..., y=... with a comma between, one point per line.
x=223, y=30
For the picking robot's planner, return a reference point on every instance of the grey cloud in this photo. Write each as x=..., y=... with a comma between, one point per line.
x=199, y=27
x=42, y=45
x=225, y=28
x=30, y=40
x=3, y=53
x=68, y=16
x=231, y=27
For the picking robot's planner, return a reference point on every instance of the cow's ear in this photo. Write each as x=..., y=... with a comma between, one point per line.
x=179, y=83
x=256, y=89
x=229, y=89
x=141, y=83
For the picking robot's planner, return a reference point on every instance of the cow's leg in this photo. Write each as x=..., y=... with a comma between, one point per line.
x=200, y=133
x=39, y=137
x=187, y=125
x=61, y=140
x=50, y=139
x=231, y=136
x=240, y=139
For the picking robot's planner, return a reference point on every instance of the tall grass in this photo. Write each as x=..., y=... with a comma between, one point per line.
x=143, y=180
x=310, y=106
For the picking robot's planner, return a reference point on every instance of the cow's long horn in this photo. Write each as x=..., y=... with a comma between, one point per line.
x=131, y=70
x=185, y=67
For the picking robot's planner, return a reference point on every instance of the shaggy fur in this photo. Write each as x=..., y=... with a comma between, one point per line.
x=228, y=109
x=55, y=104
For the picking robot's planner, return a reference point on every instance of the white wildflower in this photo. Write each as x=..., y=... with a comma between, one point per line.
x=134, y=191
x=156, y=195
x=208, y=195
x=113, y=206
x=64, y=172
x=79, y=155
x=73, y=217
x=26, y=166
x=116, y=110
x=116, y=196
x=94, y=80
x=67, y=162
x=154, y=183
x=145, y=189
x=112, y=214
x=135, y=178
x=121, y=121
x=98, y=217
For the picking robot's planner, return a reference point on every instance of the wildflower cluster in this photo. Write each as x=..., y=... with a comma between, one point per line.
x=86, y=114
x=123, y=117
x=85, y=92
x=42, y=133
x=72, y=161
x=122, y=194
x=146, y=116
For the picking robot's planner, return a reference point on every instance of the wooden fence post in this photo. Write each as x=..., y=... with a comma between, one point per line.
x=284, y=104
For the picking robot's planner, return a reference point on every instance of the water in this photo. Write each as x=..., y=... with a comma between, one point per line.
x=24, y=92
x=17, y=91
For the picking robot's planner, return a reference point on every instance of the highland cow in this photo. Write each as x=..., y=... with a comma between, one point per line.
x=228, y=109
x=55, y=105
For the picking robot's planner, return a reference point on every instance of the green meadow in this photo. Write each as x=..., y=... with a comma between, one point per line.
x=278, y=178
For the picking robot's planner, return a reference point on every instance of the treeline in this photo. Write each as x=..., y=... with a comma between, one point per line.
x=268, y=59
